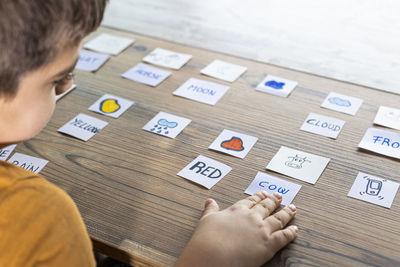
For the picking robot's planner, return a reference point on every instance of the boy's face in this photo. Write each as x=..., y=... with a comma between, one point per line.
x=25, y=114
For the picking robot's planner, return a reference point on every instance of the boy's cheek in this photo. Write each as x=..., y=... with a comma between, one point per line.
x=32, y=114
x=41, y=119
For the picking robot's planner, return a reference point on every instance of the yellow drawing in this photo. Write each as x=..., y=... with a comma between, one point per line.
x=109, y=105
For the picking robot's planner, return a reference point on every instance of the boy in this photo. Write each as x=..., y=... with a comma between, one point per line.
x=39, y=224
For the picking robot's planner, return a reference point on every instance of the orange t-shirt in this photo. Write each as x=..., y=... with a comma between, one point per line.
x=39, y=223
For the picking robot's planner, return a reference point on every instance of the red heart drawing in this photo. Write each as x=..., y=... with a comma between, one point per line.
x=235, y=143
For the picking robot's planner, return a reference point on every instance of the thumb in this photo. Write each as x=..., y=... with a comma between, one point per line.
x=210, y=206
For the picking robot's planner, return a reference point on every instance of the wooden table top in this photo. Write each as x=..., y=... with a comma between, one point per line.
x=124, y=180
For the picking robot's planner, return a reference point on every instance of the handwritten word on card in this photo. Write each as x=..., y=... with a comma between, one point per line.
x=90, y=61
x=276, y=86
x=342, y=103
x=28, y=162
x=205, y=171
x=109, y=44
x=298, y=164
x=223, y=70
x=83, y=127
x=166, y=124
x=382, y=142
x=373, y=189
x=5, y=152
x=271, y=184
x=233, y=143
x=112, y=106
x=388, y=117
x=166, y=58
x=201, y=91
x=146, y=74
x=322, y=125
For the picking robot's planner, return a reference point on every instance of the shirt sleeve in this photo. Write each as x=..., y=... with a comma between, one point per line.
x=41, y=226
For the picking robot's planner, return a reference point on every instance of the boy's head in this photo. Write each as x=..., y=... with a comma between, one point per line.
x=40, y=43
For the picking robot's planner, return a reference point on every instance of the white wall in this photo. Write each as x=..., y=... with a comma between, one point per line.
x=356, y=41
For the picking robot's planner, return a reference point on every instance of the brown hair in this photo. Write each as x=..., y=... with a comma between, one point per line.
x=33, y=32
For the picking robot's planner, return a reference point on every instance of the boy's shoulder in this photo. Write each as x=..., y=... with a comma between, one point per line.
x=20, y=183
x=43, y=218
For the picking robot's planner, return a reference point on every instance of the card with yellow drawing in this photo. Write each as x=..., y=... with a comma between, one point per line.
x=110, y=105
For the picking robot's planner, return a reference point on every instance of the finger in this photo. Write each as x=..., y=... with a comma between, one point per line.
x=283, y=237
x=268, y=205
x=210, y=206
x=252, y=200
x=281, y=218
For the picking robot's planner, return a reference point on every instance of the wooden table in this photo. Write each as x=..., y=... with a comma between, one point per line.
x=138, y=210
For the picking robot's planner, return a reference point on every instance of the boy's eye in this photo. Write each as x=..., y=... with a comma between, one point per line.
x=64, y=80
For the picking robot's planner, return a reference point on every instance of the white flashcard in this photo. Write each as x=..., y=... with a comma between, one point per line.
x=83, y=127
x=166, y=58
x=223, y=70
x=233, y=143
x=5, y=152
x=205, y=171
x=342, y=103
x=382, y=142
x=388, y=117
x=166, y=124
x=271, y=184
x=28, y=163
x=66, y=92
x=276, y=86
x=322, y=125
x=146, y=74
x=202, y=91
x=90, y=61
x=109, y=44
x=112, y=106
x=298, y=164
x=374, y=190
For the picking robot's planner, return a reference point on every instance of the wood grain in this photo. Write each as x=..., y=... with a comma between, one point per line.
x=138, y=210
